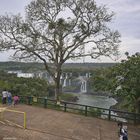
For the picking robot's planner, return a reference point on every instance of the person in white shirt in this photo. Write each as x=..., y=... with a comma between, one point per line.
x=4, y=96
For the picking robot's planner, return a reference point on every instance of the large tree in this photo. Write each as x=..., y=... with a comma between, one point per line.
x=55, y=31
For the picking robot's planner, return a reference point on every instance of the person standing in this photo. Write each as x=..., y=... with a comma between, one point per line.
x=9, y=97
x=16, y=100
x=122, y=132
x=4, y=96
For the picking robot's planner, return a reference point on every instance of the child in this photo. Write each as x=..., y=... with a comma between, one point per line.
x=16, y=100
x=122, y=131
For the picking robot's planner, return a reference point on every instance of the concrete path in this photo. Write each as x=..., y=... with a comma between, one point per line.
x=47, y=124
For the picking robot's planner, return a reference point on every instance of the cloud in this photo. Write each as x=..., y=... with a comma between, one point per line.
x=126, y=21
x=129, y=44
x=121, y=5
x=6, y=55
x=13, y=6
x=127, y=18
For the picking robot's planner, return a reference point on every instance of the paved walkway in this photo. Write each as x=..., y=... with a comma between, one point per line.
x=46, y=124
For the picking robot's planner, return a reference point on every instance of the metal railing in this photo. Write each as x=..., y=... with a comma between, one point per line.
x=110, y=114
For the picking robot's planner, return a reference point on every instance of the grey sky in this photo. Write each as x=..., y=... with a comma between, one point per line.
x=126, y=21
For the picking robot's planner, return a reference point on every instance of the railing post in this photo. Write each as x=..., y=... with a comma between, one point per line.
x=65, y=107
x=85, y=110
x=23, y=99
x=109, y=114
x=45, y=102
x=135, y=118
x=29, y=100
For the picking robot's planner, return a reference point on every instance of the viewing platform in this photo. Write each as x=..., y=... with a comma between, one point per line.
x=47, y=124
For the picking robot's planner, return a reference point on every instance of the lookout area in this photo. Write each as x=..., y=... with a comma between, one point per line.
x=47, y=124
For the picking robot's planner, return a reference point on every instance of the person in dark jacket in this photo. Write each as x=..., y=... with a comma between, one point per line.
x=122, y=131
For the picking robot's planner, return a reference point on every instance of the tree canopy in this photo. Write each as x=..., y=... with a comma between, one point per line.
x=100, y=79
x=23, y=86
x=55, y=31
x=128, y=80
x=123, y=80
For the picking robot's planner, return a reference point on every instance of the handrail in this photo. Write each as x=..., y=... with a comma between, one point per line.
x=85, y=108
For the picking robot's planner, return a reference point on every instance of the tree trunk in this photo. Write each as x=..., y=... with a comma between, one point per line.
x=57, y=90
x=57, y=87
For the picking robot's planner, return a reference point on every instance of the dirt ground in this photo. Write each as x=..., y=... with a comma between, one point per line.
x=47, y=124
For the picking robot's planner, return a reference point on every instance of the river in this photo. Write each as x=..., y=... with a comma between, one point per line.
x=94, y=100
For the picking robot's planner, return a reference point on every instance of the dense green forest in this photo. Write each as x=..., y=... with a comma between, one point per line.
x=30, y=67
x=123, y=80
x=26, y=67
x=23, y=86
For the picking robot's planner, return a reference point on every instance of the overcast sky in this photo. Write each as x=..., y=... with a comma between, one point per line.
x=126, y=21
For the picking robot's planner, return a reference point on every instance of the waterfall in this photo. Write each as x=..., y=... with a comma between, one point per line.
x=65, y=80
x=64, y=83
x=83, y=87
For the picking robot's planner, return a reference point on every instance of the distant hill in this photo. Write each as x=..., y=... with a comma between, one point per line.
x=20, y=66
x=88, y=65
x=39, y=66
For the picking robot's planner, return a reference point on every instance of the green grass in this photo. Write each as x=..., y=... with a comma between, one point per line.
x=67, y=97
